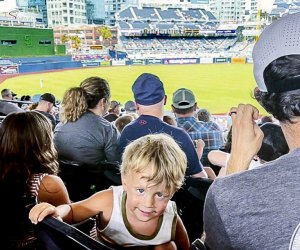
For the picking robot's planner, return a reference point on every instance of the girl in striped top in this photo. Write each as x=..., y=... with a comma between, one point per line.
x=28, y=175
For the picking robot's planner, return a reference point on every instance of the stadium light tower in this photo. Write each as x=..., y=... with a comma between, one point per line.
x=263, y=6
x=258, y=25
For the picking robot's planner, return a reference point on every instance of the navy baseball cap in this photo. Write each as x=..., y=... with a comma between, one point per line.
x=148, y=89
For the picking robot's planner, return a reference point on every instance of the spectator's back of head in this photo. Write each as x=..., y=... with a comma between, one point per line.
x=25, y=98
x=48, y=97
x=78, y=100
x=114, y=105
x=203, y=115
x=7, y=94
x=130, y=107
x=148, y=90
x=274, y=143
x=26, y=142
x=170, y=120
x=122, y=121
x=183, y=101
x=276, y=60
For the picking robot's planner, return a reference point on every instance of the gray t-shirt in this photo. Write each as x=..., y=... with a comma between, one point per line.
x=8, y=107
x=90, y=140
x=256, y=209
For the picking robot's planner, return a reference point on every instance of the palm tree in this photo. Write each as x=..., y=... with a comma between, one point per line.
x=76, y=42
x=105, y=33
x=64, y=38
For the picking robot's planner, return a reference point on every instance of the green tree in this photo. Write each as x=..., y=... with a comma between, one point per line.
x=76, y=42
x=105, y=33
x=64, y=38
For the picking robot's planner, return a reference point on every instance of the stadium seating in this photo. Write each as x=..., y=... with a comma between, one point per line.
x=190, y=202
x=145, y=13
x=126, y=14
x=198, y=245
x=55, y=234
x=82, y=180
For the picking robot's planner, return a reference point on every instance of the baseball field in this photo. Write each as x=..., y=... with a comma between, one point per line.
x=217, y=87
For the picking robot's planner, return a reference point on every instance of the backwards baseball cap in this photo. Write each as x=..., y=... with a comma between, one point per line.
x=281, y=38
x=148, y=89
x=49, y=98
x=130, y=106
x=183, y=99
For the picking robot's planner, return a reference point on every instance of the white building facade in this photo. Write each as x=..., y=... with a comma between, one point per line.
x=66, y=12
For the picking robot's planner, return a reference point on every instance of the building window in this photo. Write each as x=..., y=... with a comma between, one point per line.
x=8, y=42
x=45, y=42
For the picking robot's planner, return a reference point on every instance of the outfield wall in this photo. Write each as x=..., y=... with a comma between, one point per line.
x=40, y=64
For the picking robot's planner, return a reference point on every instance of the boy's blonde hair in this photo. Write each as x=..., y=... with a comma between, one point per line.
x=159, y=152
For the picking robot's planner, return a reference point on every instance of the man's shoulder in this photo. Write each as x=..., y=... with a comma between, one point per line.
x=8, y=107
x=50, y=116
x=151, y=124
x=263, y=175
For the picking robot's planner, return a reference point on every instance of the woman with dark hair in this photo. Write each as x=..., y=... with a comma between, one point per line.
x=28, y=169
x=83, y=135
x=273, y=146
x=274, y=143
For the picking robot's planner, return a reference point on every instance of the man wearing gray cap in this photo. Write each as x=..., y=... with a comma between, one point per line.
x=130, y=107
x=184, y=106
x=260, y=208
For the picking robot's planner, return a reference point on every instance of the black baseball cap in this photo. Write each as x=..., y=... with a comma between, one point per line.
x=49, y=98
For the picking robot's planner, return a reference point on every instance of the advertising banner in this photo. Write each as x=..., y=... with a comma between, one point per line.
x=238, y=60
x=9, y=69
x=221, y=60
x=206, y=60
x=181, y=60
x=90, y=64
x=118, y=63
x=137, y=61
x=153, y=61
x=105, y=63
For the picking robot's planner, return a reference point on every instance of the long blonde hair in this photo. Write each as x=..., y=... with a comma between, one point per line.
x=78, y=100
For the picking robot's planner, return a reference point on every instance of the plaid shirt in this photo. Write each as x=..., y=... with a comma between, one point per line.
x=209, y=132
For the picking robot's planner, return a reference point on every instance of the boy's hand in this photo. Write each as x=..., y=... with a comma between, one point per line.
x=40, y=211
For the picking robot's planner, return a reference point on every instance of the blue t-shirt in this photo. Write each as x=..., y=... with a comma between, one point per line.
x=146, y=124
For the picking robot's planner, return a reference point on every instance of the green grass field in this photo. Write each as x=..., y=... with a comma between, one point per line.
x=217, y=86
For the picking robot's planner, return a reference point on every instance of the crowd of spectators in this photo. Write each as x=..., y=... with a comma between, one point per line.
x=248, y=205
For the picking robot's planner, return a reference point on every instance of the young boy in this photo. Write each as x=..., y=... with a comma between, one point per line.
x=138, y=213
